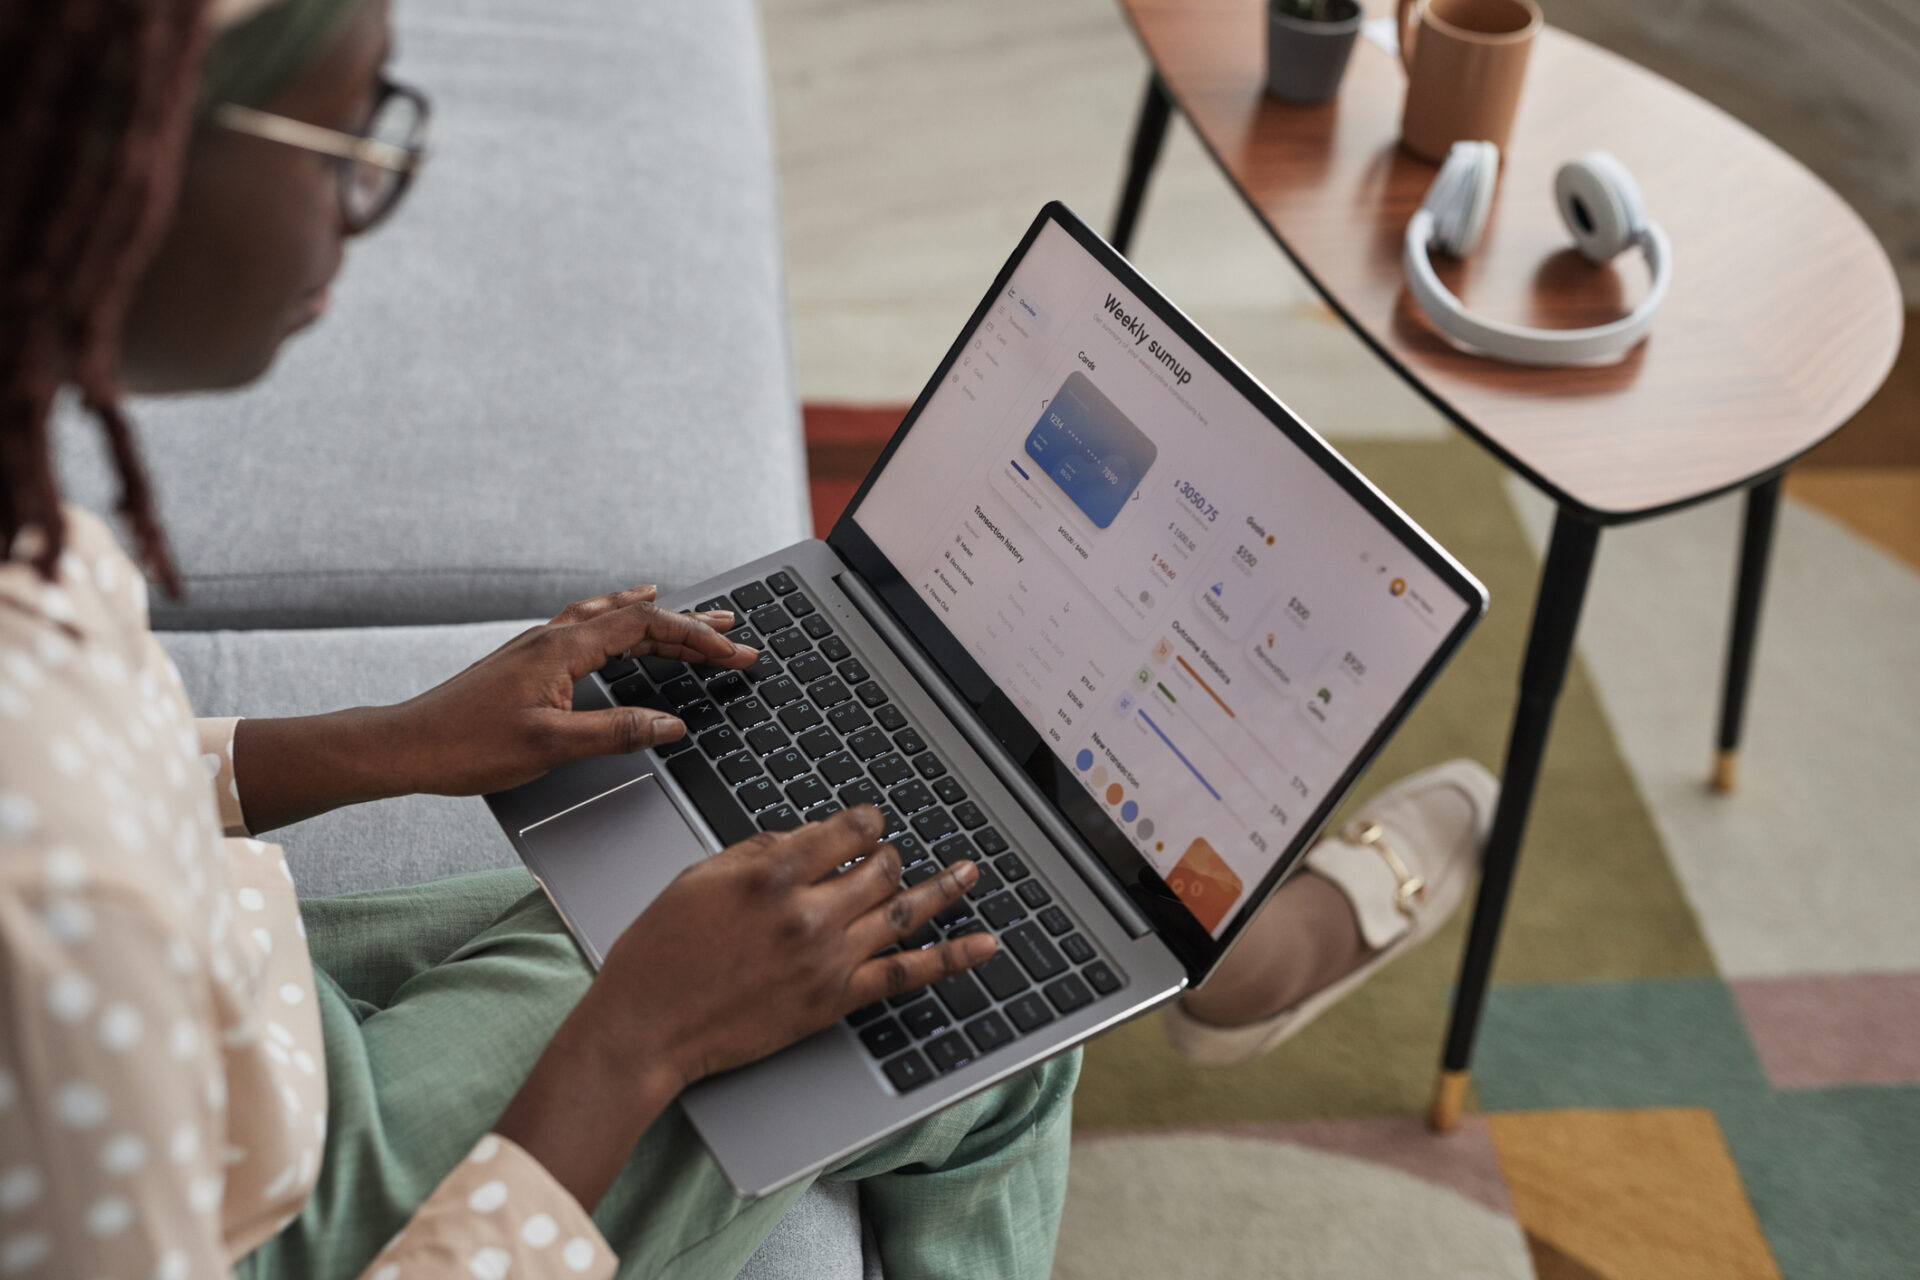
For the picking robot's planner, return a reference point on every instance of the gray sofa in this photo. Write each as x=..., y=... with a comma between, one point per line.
x=562, y=369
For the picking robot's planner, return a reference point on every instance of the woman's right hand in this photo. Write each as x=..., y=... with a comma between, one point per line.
x=744, y=953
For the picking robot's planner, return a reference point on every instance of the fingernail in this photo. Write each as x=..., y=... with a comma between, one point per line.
x=982, y=945
x=718, y=617
x=667, y=728
x=966, y=873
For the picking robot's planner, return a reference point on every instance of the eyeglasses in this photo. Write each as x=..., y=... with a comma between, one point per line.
x=376, y=166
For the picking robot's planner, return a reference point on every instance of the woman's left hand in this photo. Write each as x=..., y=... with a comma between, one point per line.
x=503, y=721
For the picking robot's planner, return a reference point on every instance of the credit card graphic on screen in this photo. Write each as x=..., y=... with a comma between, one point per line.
x=1088, y=448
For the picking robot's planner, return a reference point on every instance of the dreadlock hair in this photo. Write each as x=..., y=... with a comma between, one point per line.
x=96, y=97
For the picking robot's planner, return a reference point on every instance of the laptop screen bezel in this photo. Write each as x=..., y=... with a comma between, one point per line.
x=1192, y=944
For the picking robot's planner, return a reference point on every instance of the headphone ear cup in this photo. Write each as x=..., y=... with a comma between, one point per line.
x=1462, y=196
x=1601, y=205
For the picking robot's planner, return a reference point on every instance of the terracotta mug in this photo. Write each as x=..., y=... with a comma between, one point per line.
x=1465, y=60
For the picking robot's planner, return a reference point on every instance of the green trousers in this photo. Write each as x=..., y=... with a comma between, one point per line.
x=435, y=1001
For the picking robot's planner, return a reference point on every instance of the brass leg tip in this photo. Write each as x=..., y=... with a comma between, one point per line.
x=1726, y=772
x=1448, y=1097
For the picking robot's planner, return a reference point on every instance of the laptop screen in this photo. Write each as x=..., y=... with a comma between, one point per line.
x=1200, y=616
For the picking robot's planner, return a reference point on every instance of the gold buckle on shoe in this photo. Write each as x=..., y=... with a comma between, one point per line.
x=1412, y=888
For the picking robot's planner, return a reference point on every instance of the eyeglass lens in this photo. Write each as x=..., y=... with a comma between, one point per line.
x=369, y=190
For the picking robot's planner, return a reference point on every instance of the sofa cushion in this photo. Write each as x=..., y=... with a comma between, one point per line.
x=562, y=368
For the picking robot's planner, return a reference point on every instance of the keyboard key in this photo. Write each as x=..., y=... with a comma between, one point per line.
x=766, y=739
x=1055, y=921
x=749, y=712
x=967, y=813
x=962, y=995
x=809, y=667
x=618, y=668
x=950, y=791
x=933, y=824
x=807, y=792
x=909, y=741
x=859, y=792
x=819, y=742
x=949, y=1052
x=849, y=717
x=798, y=605
x=892, y=825
x=957, y=914
x=816, y=626
x=1002, y=976
x=748, y=598
x=765, y=667
x=684, y=692
x=965, y=928
x=925, y=936
x=744, y=635
x=759, y=794
x=799, y=717
x=835, y=649
x=675, y=747
x=1075, y=947
x=1101, y=977
x=883, y=1038
x=866, y=1013
x=952, y=850
x=839, y=769
x=828, y=692
x=988, y=884
x=929, y=766
x=634, y=691
x=853, y=673
x=927, y=1017
x=738, y=767
x=661, y=670
x=727, y=687
x=1036, y=954
x=1010, y=866
x=711, y=797
x=788, y=643
x=908, y=1071
x=891, y=718
x=1028, y=1012
x=870, y=694
x=822, y=811
x=787, y=765
x=989, y=1033
x=719, y=742
x=990, y=842
x=718, y=602
x=700, y=717
x=770, y=618
x=1001, y=910
x=890, y=769
x=870, y=743
x=780, y=583
x=919, y=873
x=779, y=691
x=912, y=797
x=1068, y=994
x=910, y=849
x=779, y=818
x=1034, y=894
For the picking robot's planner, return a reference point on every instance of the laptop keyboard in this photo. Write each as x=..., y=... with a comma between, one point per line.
x=807, y=731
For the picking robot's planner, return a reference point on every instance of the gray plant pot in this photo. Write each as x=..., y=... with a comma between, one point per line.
x=1306, y=59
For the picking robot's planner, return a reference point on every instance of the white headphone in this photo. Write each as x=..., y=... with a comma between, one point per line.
x=1601, y=205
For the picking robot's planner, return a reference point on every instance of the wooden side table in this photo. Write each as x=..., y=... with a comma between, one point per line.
x=1784, y=317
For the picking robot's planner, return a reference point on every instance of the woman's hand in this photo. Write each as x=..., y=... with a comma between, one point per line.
x=503, y=721
x=744, y=953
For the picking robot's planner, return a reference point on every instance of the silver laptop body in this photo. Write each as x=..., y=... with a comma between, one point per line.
x=1093, y=900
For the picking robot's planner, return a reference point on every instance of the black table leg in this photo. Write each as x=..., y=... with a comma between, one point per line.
x=1148, y=134
x=1556, y=617
x=1756, y=546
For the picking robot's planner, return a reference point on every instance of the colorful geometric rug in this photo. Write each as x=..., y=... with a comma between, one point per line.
x=1633, y=1113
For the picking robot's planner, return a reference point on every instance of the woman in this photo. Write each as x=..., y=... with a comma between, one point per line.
x=433, y=1083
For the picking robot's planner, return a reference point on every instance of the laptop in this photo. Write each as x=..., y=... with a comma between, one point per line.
x=1105, y=617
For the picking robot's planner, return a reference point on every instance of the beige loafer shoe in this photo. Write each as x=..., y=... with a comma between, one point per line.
x=1404, y=864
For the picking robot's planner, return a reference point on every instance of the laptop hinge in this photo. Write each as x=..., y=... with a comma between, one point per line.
x=1091, y=869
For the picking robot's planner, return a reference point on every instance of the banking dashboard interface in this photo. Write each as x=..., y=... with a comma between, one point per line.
x=1200, y=622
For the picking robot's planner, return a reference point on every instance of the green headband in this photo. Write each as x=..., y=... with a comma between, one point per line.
x=252, y=58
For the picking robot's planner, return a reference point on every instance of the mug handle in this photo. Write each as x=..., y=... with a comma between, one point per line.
x=1408, y=9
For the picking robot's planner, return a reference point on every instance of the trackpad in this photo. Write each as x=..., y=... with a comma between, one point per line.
x=604, y=861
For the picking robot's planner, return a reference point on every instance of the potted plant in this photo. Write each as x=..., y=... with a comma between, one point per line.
x=1308, y=42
